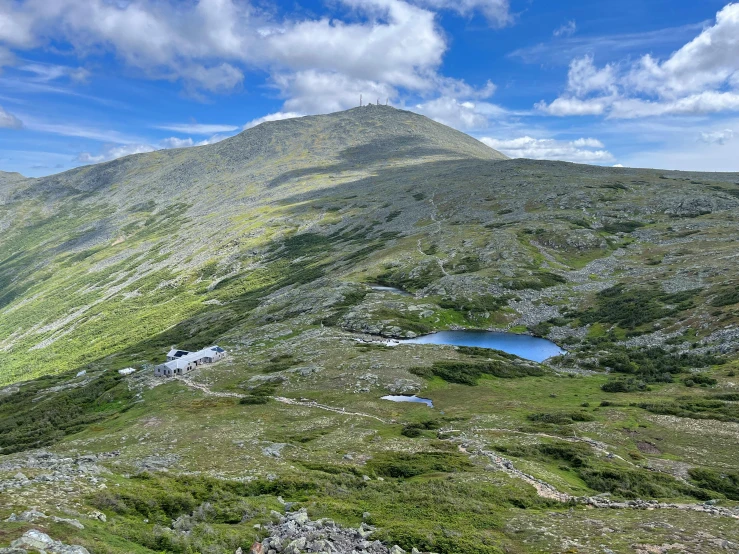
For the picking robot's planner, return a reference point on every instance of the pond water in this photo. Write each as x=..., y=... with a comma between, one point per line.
x=404, y=398
x=523, y=346
x=382, y=288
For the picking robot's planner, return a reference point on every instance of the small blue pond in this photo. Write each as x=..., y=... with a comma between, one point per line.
x=523, y=346
x=414, y=398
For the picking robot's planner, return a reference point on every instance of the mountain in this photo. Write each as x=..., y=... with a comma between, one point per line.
x=272, y=244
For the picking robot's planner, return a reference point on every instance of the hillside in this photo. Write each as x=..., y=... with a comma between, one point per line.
x=270, y=244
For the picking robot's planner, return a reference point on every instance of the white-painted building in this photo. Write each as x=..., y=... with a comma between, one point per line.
x=127, y=371
x=180, y=362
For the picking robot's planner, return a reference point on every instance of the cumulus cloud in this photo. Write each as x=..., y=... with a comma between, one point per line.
x=700, y=78
x=583, y=150
x=386, y=49
x=113, y=152
x=465, y=115
x=197, y=128
x=313, y=91
x=208, y=44
x=717, y=137
x=8, y=120
x=174, y=142
x=277, y=116
x=566, y=30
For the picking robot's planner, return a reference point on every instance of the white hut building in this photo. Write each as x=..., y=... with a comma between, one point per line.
x=180, y=362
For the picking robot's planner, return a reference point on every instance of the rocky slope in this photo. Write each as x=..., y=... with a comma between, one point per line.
x=272, y=244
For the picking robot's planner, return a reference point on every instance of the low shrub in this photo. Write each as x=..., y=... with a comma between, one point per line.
x=254, y=400
x=695, y=408
x=402, y=465
x=724, y=482
x=468, y=373
x=560, y=418
x=637, y=483
x=624, y=385
x=699, y=379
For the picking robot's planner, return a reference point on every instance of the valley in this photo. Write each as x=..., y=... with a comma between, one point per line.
x=312, y=249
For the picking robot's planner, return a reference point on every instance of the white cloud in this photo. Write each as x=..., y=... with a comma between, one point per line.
x=208, y=44
x=460, y=114
x=584, y=150
x=587, y=143
x=700, y=78
x=49, y=72
x=314, y=91
x=584, y=78
x=277, y=116
x=8, y=120
x=618, y=165
x=696, y=104
x=566, y=30
x=398, y=45
x=174, y=142
x=497, y=12
x=574, y=106
x=80, y=131
x=113, y=152
x=6, y=57
x=381, y=49
x=717, y=137
x=197, y=128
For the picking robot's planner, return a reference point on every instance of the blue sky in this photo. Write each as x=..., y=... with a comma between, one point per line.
x=650, y=83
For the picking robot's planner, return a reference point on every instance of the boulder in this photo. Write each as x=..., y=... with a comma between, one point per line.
x=691, y=207
x=36, y=540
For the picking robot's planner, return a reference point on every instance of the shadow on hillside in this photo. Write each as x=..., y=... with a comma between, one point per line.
x=375, y=151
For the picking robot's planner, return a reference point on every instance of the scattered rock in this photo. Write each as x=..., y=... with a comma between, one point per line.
x=295, y=533
x=35, y=540
x=273, y=450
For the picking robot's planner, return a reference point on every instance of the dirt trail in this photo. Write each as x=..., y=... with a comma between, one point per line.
x=473, y=448
x=435, y=219
x=289, y=401
x=546, y=490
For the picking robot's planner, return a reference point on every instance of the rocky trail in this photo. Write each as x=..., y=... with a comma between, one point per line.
x=473, y=447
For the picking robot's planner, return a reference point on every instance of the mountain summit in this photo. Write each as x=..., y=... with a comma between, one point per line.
x=357, y=138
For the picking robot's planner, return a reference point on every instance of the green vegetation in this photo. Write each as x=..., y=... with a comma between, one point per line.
x=695, y=408
x=699, y=379
x=622, y=226
x=468, y=373
x=538, y=281
x=727, y=297
x=475, y=306
x=405, y=466
x=36, y=417
x=629, y=483
x=722, y=482
x=630, y=308
x=651, y=365
x=560, y=418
